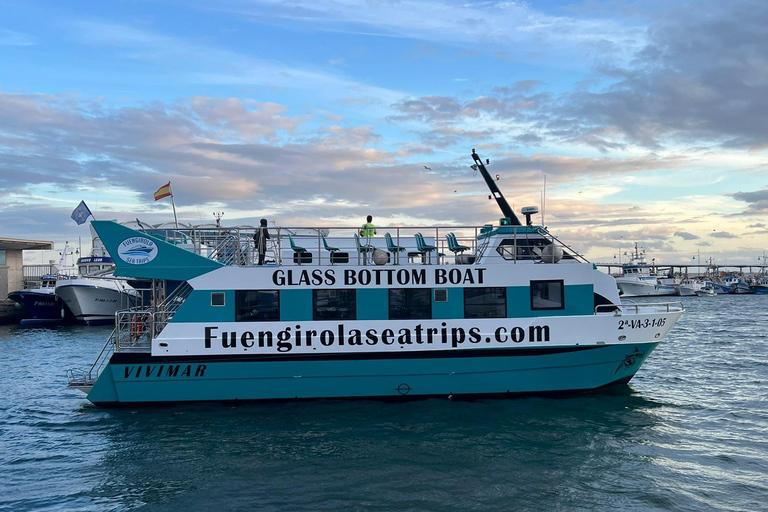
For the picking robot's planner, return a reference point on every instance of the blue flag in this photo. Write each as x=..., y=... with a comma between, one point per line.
x=81, y=213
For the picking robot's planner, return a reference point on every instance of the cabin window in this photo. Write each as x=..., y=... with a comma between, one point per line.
x=410, y=304
x=257, y=305
x=217, y=299
x=547, y=295
x=521, y=248
x=441, y=295
x=334, y=304
x=485, y=302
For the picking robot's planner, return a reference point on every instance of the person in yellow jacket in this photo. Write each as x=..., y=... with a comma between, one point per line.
x=368, y=230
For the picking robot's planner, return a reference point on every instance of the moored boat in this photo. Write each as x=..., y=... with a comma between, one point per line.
x=708, y=290
x=638, y=279
x=40, y=305
x=95, y=295
x=522, y=314
x=761, y=287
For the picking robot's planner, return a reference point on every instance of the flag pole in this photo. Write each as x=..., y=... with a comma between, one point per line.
x=174, y=205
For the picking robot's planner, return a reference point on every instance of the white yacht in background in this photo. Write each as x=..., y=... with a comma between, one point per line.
x=95, y=295
x=639, y=280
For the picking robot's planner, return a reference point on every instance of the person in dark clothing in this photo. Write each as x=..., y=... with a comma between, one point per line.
x=260, y=237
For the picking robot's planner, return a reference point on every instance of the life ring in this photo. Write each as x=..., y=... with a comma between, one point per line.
x=137, y=326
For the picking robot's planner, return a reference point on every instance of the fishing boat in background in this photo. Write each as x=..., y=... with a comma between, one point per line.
x=39, y=303
x=760, y=287
x=638, y=279
x=95, y=294
x=708, y=290
x=517, y=311
x=736, y=285
x=689, y=287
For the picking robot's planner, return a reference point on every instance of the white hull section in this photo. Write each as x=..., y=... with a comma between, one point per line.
x=641, y=289
x=642, y=324
x=97, y=300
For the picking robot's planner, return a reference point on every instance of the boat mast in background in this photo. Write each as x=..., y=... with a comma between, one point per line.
x=503, y=204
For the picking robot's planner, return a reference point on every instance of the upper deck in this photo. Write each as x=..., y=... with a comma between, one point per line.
x=396, y=245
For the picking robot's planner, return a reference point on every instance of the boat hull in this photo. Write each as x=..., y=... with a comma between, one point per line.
x=94, y=301
x=38, y=306
x=640, y=289
x=140, y=379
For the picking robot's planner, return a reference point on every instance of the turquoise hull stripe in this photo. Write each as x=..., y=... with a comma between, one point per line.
x=295, y=305
x=579, y=301
x=452, y=309
x=372, y=304
x=198, y=305
x=177, y=382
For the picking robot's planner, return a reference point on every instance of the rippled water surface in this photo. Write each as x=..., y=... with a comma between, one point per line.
x=690, y=432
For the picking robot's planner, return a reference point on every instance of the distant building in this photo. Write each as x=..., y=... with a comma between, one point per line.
x=12, y=262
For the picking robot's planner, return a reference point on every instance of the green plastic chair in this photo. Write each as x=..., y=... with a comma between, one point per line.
x=296, y=249
x=453, y=244
x=328, y=248
x=394, y=249
x=363, y=249
x=423, y=248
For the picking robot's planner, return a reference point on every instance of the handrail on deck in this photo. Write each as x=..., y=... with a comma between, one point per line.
x=234, y=245
x=635, y=307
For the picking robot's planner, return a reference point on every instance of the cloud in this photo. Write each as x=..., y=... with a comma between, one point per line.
x=722, y=234
x=686, y=236
x=500, y=25
x=702, y=76
x=13, y=38
x=757, y=201
x=189, y=61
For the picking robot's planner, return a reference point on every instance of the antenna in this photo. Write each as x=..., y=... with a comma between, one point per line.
x=544, y=201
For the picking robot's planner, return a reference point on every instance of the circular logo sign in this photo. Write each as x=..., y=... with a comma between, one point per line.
x=137, y=250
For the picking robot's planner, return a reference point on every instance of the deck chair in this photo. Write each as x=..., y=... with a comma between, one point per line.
x=453, y=244
x=298, y=251
x=363, y=250
x=328, y=248
x=395, y=250
x=423, y=248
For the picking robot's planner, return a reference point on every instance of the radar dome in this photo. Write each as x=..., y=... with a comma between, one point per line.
x=551, y=254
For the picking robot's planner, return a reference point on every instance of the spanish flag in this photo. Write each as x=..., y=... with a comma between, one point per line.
x=163, y=191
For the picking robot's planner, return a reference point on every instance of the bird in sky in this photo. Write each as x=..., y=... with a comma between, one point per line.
x=427, y=168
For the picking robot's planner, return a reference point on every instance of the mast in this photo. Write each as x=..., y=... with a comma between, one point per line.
x=511, y=218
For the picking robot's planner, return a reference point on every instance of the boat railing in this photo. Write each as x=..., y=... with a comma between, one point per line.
x=631, y=307
x=562, y=244
x=80, y=379
x=135, y=328
x=337, y=245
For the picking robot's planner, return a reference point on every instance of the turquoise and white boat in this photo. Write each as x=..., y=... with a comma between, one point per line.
x=509, y=311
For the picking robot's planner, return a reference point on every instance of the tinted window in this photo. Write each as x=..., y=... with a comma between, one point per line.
x=547, y=295
x=485, y=302
x=410, y=303
x=334, y=304
x=257, y=305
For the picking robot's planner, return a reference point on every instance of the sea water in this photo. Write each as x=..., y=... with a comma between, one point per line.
x=690, y=432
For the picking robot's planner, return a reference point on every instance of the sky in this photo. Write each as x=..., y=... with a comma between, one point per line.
x=638, y=121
